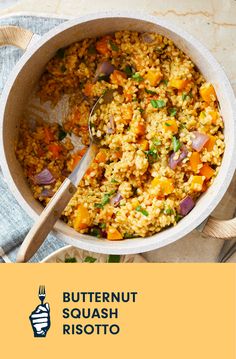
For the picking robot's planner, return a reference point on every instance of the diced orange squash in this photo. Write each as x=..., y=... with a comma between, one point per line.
x=170, y=125
x=195, y=161
x=48, y=135
x=117, y=77
x=144, y=144
x=113, y=234
x=82, y=219
x=127, y=112
x=154, y=77
x=178, y=84
x=101, y=157
x=164, y=185
x=88, y=89
x=207, y=171
x=204, y=186
x=207, y=92
x=196, y=183
x=55, y=149
x=214, y=116
x=102, y=45
x=140, y=129
x=210, y=143
x=135, y=203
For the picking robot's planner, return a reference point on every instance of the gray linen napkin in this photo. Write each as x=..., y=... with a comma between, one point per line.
x=14, y=222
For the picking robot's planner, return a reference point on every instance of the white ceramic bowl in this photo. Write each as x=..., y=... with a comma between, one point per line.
x=26, y=74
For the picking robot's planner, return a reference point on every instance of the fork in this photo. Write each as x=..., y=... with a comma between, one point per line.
x=42, y=293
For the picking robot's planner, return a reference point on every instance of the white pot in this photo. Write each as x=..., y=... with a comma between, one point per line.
x=26, y=74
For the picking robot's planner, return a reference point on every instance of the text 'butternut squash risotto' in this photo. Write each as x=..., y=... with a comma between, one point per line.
x=161, y=138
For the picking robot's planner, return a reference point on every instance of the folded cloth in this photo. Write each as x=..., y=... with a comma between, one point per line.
x=14, y=222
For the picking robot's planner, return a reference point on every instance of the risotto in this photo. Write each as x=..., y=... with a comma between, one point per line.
x=161, y=138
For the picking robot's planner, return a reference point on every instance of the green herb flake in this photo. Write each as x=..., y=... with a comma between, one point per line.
x=158, y=103
x=175, y=143
x=70, y=260
x=168, y=211
x=92, y=49
x=184, y=96
x=152, y=155
x=113, y=258
x=150, y=92
x=114, y=47
x=61, y=133
x=113, y=180
x=103, y=225
x=137, y=77
x=142, y=210
x=95, y=232
x=156, y=141
x=128, y=70
x=105, y=199
x=90, y=259
x=167, y=124
x=173, y=111
x=178, y=217
x=141, y=110
x=165, y=82
x=60, y=53
x=127, y=235
x=98, y=205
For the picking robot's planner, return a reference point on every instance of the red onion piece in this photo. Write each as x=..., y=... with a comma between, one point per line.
x=186, y=205
x=111, y=125
x=46, y=192
x=147, y=38
x=174, y=163
x=104, y=68
x=115, y=200
x=44, y=177
x=199, y=140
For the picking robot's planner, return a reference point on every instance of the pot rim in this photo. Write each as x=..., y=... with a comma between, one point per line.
x=137, y=245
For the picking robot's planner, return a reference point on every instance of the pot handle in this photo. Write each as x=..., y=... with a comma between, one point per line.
x=16, y=36
x=217, y=228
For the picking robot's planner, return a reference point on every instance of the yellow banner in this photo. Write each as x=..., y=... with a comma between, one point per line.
x=166, y=311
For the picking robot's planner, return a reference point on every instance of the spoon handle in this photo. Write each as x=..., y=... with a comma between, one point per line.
x=45, y=223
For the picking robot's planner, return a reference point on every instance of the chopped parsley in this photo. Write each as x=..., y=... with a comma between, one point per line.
x=128, y=70
x=184, y=96
x=158, y=103
x=98, y=205
x=95, y=232
x=113, y=258
x=103, y=225
x=70, y=260
x=114, y=47
x=172, y=111
x=105, y=200
x=142, y=210
x=156, y=141
x=89, y=259
x=168, y=211
x=137, y=77
x=152, y=155
x=175, y=143
x=178, y=217
x=61, y=133
x=165, y=82
x=141, y=110
x=113, y=180
x=150, y=92
x=167, y=124
x=92, y=49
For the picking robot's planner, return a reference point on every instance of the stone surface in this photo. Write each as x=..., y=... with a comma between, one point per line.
x=214, y=23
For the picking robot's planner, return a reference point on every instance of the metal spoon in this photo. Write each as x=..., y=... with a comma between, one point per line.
x=52, y=212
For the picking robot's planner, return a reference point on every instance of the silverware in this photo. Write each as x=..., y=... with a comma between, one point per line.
x=226, y=252
x=61, y=198
x=42, y=293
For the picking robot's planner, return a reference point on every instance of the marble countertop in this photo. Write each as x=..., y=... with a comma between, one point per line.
x=214, y=23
